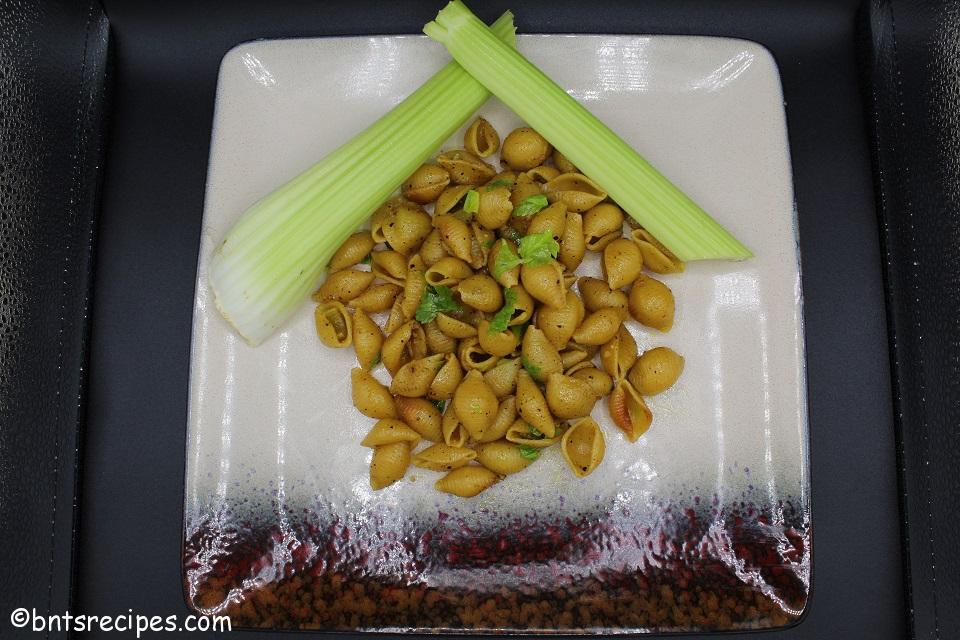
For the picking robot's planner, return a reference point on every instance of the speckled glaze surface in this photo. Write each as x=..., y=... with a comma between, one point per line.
x=711, y=505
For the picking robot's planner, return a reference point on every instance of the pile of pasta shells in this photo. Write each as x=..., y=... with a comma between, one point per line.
x=465, y=289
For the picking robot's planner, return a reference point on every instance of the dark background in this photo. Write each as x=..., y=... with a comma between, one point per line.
x=165, y=62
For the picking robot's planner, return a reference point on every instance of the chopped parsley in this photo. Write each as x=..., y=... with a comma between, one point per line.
x=502, y=318
x=440, y=404
x=471, y=204
x=534, y=371
x=436, y=299
x=530, y=205
x=538, y=248
x=505, y=260
x=535, y=433
x=527, y=452
x=368, y=259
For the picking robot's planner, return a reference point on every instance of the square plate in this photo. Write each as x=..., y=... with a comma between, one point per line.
x=701, y=524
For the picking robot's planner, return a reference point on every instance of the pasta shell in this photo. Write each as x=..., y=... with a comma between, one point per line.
x=502, y=378
x=344, y=286
x=628, y=410
x=599, y=381
x=388, y=464
x=432, y=250
x=569, y=397
x=414, y=378
x=583, y=447
x=382, y=217
x=524, y=149
x=508, y=176
x=544, y=282
x=389, y=266
x=401, y=345
x=390, y=431
x=503, y=420
x=599, y=327
x=370, y=397
x=467, y=482
x=414, y=286
x=481, y=240
x=495, y=207
x=367, y=339
x=481, y=292
x=596, y=295
x=410, y=225
x=455, y=328
x=558, y=325
x=456, y=236
x=510, y=277
x=334, y=326
x=502, y=457
x=562, y=164
x=572, y=245
x=523, y=309
x=422, y=416
x=602, y=224
x=448, y=271
x=572, y=356
x=443, y=457
x=622, y=262
x=497, y=343
x=379, y=297
x=453, y=432
x=656, y=257
x=426, y=184
x=353, y=250
x=532, y=406
x=552, y=218
x=481, y=139
x=575, y=190
x=543, y=173
x=415, y=262
x=540, y=357
x=465, y=168
x=619, y=354
x=475, y=404
x=523, y=187
x=451, y=199
x=656, y=371
x=522, y=433
x=396, y=318
x=447, y=379
x=473, y=357
x=438, y=341
x=651, y=303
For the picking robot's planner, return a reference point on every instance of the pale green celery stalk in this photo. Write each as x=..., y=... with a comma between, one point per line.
x=274, y=256
x=649, y=197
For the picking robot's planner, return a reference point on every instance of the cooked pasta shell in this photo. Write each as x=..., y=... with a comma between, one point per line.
x=569, y=397
x=481, y=240
x=448, y=271
x=414, y=286
x=523, y=309
x=481, y=292
x=438, y=341
x=503, y=420
x=494, y=208
x=475, y=404
x=599, y=327
x=502, y=378
x=432, y=250
x=451, y=199
x=395, y=353
x=344, y=286
x=503, y=457
x=454, y=433
x=651, y=303
x=562, y=164
x=552, y=218
x=505, y=176
x=467, y=482
x=596, y=295
x=378, y=297
x=367, y=339
x=447, y=379
x=414, y=378
x=575, y=190
x=481, y=139
x=522, y=433
x=622, y=262
x=572, y=356
x=523, y=187
x=390, y=431
x=540, y=357
x=455, y=328
x=496, y=343
x=629, y=411
x=532, y=406
x=426, y=184
x=558, y=325
x=572, y=245
x=545, y=283
x=602, y=224
x=473, y=357
x=443, y=457
x=410, y=225
x=388, y=464
x=599, y=381
x=389, y=266
x=456, y=236
x=543, y=173
x=656, y=371
x=465, y=168
x=583, y=447
x=353, y=250
x=422, y=416
x=416, y=263
x=524, y=149
x=619, y=354
x=370, y=397
x=334, y=326
x=510, y=277
x=383, y=216
x=396, y=318
x=656, y=257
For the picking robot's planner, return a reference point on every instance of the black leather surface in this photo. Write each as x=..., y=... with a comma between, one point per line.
x=914, y=86
x=52, y=67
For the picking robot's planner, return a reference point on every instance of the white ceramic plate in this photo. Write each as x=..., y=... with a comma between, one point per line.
x=272, y=431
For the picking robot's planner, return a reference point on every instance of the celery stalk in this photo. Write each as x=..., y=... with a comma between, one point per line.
x=643, y=192
x=276, y=252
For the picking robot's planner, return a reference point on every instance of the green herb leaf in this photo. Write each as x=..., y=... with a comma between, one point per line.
x=503, y=317
x=375, y=362
x=530, y=205
x=488, y=243
x=436, y=299
x=538, y=248
x=440, y=404
x=499, y=182
x=534, y=371
x=506, y=259
x=471, y=204
x=518, y=330
x=527, y=452
x=368, y=259
x=535, y=433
